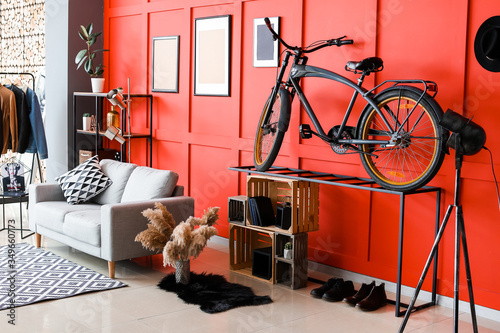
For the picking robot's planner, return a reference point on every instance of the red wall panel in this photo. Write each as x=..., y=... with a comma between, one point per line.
x=200, y=137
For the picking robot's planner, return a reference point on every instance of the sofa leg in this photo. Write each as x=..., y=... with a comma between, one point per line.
x=111, y=268
x=38, y=238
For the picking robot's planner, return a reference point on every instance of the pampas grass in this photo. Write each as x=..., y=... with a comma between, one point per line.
x=182, y=242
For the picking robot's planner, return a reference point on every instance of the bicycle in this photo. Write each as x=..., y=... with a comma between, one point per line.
x=398, y=136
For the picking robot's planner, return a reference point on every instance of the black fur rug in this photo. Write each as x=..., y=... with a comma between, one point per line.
x=212, y=292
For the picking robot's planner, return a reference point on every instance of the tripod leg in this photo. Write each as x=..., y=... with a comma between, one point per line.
x=467, y=269
x=426, y=269
x=456, y=284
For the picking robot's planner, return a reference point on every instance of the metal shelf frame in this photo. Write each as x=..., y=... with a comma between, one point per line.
x=366, y=184
x=99, y=132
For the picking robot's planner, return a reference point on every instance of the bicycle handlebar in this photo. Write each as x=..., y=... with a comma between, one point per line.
x=335, y=41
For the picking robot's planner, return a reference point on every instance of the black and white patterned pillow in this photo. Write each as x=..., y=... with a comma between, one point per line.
x=84, y=182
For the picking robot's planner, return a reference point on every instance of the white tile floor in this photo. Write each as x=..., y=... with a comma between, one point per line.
x=142, y=307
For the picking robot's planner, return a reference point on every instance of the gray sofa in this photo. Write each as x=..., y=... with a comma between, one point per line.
x=107, y=224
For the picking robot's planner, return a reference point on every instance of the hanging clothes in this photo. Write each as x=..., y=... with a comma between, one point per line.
x=37, y=141
x=9, y=119
x=23, y=121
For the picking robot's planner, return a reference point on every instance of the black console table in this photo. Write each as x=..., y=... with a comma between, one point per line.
x=368, y=185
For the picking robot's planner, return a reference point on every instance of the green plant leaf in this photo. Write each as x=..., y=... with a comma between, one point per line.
x=81, y=62
x=90, y=27
x=80, y=56
x=101, y=50
x=83, y=33
x=88, y=66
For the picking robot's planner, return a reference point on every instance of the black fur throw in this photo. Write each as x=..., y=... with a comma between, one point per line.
x=212, y=292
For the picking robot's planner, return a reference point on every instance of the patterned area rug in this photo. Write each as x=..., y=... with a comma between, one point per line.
x=29, y=274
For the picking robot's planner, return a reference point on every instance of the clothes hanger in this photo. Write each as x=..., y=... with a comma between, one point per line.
x=18, y=83
x=6, y=81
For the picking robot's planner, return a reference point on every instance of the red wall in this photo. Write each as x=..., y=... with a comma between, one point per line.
x=200, y=137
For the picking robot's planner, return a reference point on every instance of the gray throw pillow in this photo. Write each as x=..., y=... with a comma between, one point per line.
x=147, y=183
x=119, y=173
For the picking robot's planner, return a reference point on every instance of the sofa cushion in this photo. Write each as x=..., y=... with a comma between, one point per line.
x=84, y=182
x=51, y=214
x=119, y=174
x=84, y=225
x=147, y=183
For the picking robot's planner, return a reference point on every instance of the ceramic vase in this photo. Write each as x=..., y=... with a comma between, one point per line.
x=182, y=271
x=287, y=254
x=97, y=84
x=87, y=123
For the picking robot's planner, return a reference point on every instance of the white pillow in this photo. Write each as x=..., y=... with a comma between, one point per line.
x=84, y=182
x=147, y=183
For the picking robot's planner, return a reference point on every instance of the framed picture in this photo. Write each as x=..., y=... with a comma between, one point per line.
x=212, y=58
x=166, y=64
x=265, y=49
x=12, y=172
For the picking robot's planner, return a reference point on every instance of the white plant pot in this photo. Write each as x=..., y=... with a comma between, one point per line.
x=97, y=84
x=287, y=254
x=87, y=122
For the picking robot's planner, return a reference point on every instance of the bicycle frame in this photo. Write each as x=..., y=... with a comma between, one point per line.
x=300, y=70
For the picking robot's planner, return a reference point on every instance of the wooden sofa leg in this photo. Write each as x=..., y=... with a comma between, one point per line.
x=38, y=238
x=111, y=267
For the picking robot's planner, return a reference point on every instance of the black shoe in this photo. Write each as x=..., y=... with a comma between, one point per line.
x=362, y=293
x=340, y=290
x=375, y=300
x=318, y=292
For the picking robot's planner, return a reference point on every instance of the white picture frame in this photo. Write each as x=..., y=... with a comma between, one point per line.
x=265, y=49
x=212, y=60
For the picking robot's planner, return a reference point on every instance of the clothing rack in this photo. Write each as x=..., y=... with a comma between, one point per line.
x=24, y=197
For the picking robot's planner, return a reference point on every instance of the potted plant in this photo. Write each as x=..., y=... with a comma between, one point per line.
x=87, y=122
x=179, y=242
x=287, y=252
x=87, y=56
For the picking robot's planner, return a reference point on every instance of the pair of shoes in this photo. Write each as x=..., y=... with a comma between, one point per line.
x=334, y=290
x=319, y=292
x=369, y=297
x=340, y=290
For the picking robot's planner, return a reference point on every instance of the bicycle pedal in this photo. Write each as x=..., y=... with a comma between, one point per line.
x=305, y=131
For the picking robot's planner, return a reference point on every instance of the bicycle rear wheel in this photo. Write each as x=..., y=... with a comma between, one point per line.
x=270, y=134
x=416, y=153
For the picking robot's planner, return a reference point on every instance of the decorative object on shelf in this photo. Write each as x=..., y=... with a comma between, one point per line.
x=166, y=64
x=284, y=213
x=93, y=123
x=87, y=56
x=287, y=251
x=265, y=49
x=181, y=242
x=87, y=121
x=115, y=97
x=113, y=118
x=486, y=44
x=212, y=59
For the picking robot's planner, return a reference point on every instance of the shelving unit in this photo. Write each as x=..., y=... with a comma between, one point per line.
x=100, y=129
x=366, y=185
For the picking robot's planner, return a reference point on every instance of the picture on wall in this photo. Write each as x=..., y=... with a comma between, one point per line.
x=265, y=49
x=166, y=64
x=212, y=60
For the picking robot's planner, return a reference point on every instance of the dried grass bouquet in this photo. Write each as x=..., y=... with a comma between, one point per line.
x=181, y=242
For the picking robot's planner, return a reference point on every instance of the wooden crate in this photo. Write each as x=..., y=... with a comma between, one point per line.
x=242, y=241
x=303, y=196
x=291, y=272
x=237, y=209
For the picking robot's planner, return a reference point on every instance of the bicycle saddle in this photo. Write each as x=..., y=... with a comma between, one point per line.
x=367, y=66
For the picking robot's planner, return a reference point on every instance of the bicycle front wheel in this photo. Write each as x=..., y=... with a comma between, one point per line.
x=415, y=152
x=270, y=134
